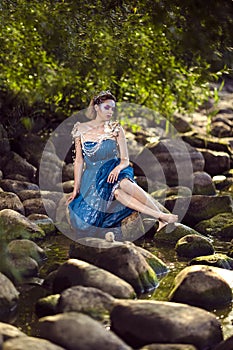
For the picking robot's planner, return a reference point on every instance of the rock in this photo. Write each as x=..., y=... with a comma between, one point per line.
x=146, y=322
x=225, y=344
x=168, y=347
x=70, y=329
x=199, y=207
x=132, y=227
x=38, y=206
x=180, y=124
x=201, y=286
x=29, y=343
x=220, y=225
x=91, y=301
x=219, y=260
x=44, y=222
x=203, y=184
x=28, y=194
x=15, y=164
x=216, y=162
x=200, y=141
x=14, y=225
x=50, y=175
x=17, y=186
x=8, y=297
x=9, y=200
x=192, y=246
x=221, y=126
x=68, y=172
x=170, y=161
x=180, y=191
x=20, y=268
x=124, y=260
x=76, y=272
x=4, y=141
x=7, y=331
x=47, y=306
x=68, y=186
x=171, y=233
x=25, y=247
x=222, y=182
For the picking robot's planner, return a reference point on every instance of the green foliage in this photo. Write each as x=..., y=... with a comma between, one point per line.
x=57, y=54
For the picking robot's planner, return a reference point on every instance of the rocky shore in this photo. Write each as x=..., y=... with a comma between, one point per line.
x=93, y=298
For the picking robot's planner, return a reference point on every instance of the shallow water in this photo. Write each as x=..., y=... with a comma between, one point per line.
x=57, y=248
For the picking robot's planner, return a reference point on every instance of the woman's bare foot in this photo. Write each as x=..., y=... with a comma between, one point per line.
x=165, y=219
x=168, y=218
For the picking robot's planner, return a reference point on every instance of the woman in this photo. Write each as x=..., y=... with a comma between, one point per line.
x=105, y=191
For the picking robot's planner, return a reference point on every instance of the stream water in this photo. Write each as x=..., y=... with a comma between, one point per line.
x=57, y=248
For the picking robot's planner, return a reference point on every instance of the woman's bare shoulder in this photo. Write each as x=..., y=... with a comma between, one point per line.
x=80, y=128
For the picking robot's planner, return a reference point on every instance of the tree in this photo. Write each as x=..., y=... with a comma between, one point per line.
x=57, y=54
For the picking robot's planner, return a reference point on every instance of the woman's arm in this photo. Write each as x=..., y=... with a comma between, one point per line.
x=78, y=168
x=124, y=158
x=123, y=149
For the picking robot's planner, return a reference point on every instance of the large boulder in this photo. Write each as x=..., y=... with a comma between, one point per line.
x=171, y=233
x=170, y=161
x=201, y=286
x=15, y=164
x=216, y=162
x=8, y=331
x=203, y=184
x=131, y=263
x=218, y=260
x=38, y=206
x=220, y=225
x=74, y=329
x=9, y=297
x=24, y=247
x=14, y=225
x=200, y=207
x=142, y=322
x=29, y=343
x=91, y=301
x=76, y=272
x=191, y=246
x=16, y=186
x=9, y=200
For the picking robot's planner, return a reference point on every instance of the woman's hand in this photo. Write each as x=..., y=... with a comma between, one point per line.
x=72, y=196
x=113, y=175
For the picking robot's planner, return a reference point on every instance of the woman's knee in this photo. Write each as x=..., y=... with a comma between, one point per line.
x=117, y=193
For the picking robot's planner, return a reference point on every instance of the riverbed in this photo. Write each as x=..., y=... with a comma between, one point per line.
x=57, y=248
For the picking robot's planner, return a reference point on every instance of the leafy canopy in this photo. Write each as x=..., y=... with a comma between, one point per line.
x=56, y=54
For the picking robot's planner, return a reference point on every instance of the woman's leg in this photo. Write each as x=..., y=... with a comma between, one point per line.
x=145, y=201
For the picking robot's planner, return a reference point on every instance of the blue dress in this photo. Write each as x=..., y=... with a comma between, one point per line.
x=95, y=210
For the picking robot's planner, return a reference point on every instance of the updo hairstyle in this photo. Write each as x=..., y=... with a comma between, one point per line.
x=97, y=100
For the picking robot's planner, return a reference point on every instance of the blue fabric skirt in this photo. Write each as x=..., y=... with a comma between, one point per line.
x=95, y=210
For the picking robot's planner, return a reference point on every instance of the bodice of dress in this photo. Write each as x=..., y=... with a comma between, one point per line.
x=94, y=142
x=107, y=150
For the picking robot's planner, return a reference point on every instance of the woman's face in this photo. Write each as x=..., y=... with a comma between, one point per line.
x=106, y=109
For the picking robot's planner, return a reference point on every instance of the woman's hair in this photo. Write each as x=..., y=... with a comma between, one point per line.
x=97, y=100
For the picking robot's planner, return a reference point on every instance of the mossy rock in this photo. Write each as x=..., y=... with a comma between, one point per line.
x=218, y=260
x=191, y=246
x=14, y=225
x=171, y=233
x=47, y=306
x=180, y=191
x=220, y=225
